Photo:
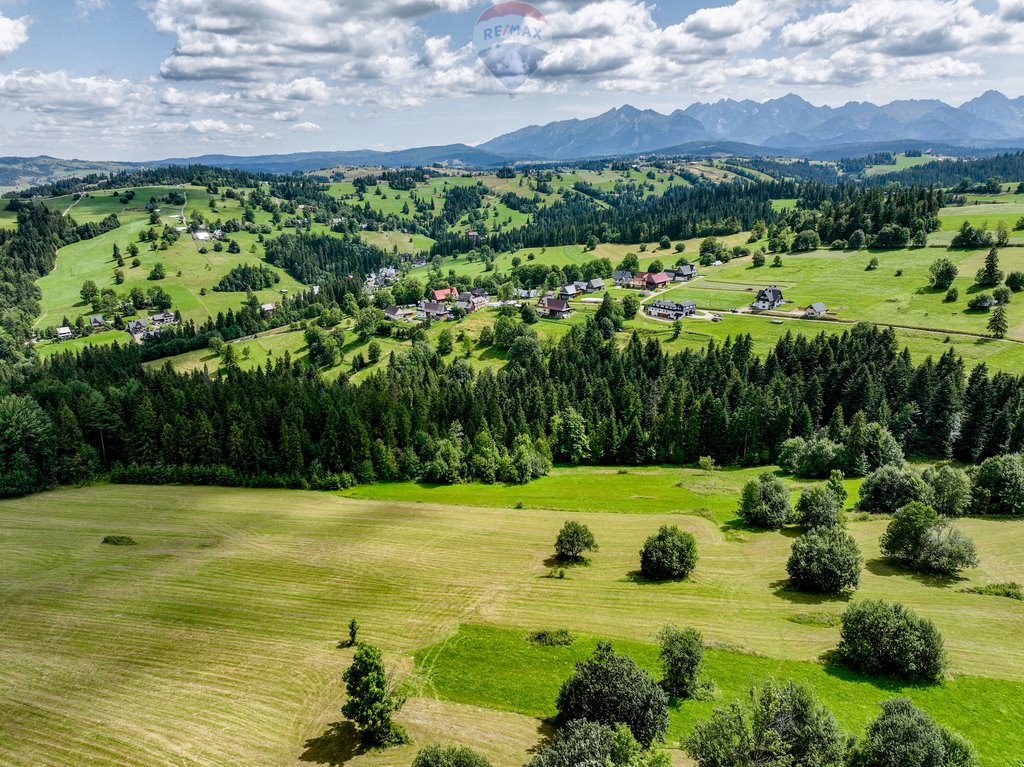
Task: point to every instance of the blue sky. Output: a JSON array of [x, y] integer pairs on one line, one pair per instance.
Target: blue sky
[[131, 79]]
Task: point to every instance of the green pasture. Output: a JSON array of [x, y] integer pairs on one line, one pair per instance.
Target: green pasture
[[214, 640]]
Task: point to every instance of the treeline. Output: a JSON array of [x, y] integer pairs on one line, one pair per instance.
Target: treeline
[[248, 277], [949, 173], [585, 401], [800, 170], [172, 175], [316, 259], [855, 217], [26, 254], [681, 213]]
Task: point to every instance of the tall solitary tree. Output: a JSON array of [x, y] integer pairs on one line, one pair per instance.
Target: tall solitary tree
[[371, 699], [574, 539], [997, 323], [989, 275]]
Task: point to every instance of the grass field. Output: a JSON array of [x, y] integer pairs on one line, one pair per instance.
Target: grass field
[[902, 163], [188, 270], [212, 642], [840, 280]]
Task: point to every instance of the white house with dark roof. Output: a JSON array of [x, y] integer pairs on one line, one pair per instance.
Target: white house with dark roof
[[767, 299], [670, 310]]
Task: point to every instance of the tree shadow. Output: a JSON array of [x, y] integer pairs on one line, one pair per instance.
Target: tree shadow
[[783, 589], [637, 576], [546, 728], [834, 668], [557, 561], [336, 746], [886, 568]]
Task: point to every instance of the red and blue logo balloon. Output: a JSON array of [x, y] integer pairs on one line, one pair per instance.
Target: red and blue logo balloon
[[510, 39]]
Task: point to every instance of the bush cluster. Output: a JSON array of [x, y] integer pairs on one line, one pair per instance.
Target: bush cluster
[[887, 639]]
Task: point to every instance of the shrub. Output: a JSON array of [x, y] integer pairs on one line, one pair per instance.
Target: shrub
[[554, 638], [887, 639], [573, 540], [999, 486], [119, 540], [950, 490], [941, 273], [905, 736], [945, 549], [578, 744], [609, 688], [981, 302], [1011, 590], [890, 488], [682, 652], [818, 507], [435, 756], [952, 296], [825, 561], [670, 554], [903, 535], [820, 458], [774, 725], [765, 502]]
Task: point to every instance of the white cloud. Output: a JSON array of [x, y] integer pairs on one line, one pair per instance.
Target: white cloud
[[62, 92], [306, 127], [85, 7], [13, 34]]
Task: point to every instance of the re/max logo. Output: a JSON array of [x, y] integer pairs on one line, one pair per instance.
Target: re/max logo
[[512, 30]]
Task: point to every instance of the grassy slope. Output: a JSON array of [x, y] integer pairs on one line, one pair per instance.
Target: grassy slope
[[902, 163], [91, 259], [500, 669], [839, 279], [212, 641]]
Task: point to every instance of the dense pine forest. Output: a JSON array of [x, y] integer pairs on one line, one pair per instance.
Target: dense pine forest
[[855, 397]]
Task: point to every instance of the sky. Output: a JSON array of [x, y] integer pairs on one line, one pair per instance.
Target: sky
[[149, 79]]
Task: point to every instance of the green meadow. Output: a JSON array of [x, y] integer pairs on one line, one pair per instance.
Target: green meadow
[[214, 640], [189, 272]]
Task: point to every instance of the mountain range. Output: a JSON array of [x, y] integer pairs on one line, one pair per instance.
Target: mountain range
[[788, 123], [789, 126]]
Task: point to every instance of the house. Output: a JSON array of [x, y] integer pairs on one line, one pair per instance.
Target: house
[[431, 310], [163, 318], [554, 308], [480, 293], [816, 309], [97, 322], [469, 303], [581, 286], [268, 308], [670, 310], [64, 334], [399, 313], [526, 295], [656, 281], [639, 280], [683, 272], [622, 278], [201, 235], [445, 294], [568, 292], [596, 285], [136, 327], [768, 298]]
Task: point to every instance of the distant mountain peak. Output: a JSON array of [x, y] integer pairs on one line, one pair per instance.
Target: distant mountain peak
[[991, 117]]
